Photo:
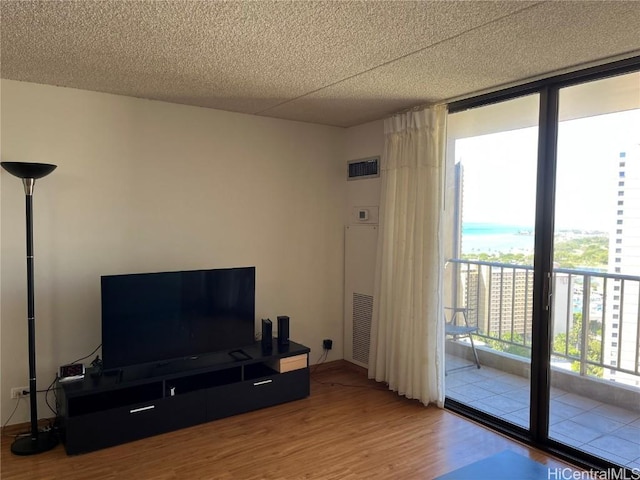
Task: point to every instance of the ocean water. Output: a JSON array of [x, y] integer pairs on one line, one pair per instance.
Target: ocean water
[[494, 238]]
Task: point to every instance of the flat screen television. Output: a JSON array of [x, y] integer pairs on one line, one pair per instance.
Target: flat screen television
[[159, 317]]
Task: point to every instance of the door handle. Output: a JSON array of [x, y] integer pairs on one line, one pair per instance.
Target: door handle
[[142, 409], [263, 382]]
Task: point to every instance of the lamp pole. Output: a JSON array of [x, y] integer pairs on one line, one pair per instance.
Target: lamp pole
[[37, 441]]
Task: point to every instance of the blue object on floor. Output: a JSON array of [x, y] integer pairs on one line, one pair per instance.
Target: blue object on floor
[[505, 465]]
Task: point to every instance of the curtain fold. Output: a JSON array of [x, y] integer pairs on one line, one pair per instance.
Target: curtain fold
[[407, 332]]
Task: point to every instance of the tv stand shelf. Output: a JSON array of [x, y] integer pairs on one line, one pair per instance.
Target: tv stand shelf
[[104, 410]]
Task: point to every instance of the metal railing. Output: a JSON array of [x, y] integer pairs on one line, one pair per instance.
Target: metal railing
[[595, 315]]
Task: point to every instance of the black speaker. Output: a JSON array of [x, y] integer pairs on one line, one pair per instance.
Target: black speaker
[[283, 330], [267, 334]]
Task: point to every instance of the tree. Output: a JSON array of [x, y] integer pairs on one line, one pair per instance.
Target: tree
[[582, 252], [502, 346], [573, 253], [573, 344]]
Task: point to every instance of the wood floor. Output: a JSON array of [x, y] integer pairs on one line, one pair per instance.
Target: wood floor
[[349, 428]]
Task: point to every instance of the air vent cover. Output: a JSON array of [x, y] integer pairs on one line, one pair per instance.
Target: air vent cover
[[364, 168], [362, 313]]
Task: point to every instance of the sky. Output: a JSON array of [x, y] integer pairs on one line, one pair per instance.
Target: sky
[[500, 172]]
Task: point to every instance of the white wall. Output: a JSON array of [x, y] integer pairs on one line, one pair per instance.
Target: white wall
[[147, 186], [363, 141]]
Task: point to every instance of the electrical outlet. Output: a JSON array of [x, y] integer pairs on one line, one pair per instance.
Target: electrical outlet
[[327, 344], [18, 392]]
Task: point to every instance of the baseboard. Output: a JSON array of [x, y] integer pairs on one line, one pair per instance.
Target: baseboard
[[328, 366], [339, 365], [25, 427], [356, 368]]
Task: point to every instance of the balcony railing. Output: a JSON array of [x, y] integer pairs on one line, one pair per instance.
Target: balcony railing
[[595, 315]]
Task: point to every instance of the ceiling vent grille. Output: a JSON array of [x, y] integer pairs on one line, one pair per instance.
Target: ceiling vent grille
[[364, 168]]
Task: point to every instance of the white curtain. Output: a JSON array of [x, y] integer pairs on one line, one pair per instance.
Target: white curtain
[[407, 332]]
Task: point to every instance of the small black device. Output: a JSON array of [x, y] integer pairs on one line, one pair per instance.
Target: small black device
[[71, 371], [239, 355], [283, 330], [267, 334]]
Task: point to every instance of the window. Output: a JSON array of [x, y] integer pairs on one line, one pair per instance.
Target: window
[[597, 208]]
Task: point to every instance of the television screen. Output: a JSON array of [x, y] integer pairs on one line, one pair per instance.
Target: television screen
[[156, 317]]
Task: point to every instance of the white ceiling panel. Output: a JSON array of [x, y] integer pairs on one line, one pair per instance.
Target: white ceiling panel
[[332, 62], [537, 41]]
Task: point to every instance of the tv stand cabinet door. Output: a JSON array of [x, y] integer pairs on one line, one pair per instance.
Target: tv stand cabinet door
[[107, 428], [258, 393]]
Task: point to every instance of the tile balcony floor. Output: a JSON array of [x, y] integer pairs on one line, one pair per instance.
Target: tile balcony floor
[[601, 429]]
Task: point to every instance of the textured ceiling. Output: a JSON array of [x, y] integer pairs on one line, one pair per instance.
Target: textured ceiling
[[331, 62]]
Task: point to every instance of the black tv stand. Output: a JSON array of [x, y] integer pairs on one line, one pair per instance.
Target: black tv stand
[[112, 373], [102, 411], [239, 355]]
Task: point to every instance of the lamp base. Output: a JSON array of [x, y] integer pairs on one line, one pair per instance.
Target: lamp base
[[44, 442]]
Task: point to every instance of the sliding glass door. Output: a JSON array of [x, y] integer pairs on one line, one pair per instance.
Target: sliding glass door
[[490, 267], [595, 382], [542, 279]]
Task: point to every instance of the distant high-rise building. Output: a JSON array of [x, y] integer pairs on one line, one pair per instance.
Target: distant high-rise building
[[500, 300], [621, 319], [564, 289]]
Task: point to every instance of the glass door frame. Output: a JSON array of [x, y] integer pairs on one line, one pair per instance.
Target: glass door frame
[[549, 91]]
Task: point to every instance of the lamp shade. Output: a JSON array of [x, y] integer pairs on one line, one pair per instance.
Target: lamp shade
[[28, 170]]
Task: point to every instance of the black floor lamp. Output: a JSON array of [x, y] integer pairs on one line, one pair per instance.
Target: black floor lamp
[[37, 441]]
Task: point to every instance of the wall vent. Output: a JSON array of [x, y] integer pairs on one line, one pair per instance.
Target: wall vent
[[362, 313], [359, 273], [364, 168]]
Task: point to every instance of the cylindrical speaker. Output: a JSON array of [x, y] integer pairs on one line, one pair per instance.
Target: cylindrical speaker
[[283, 330], [267, 334]]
